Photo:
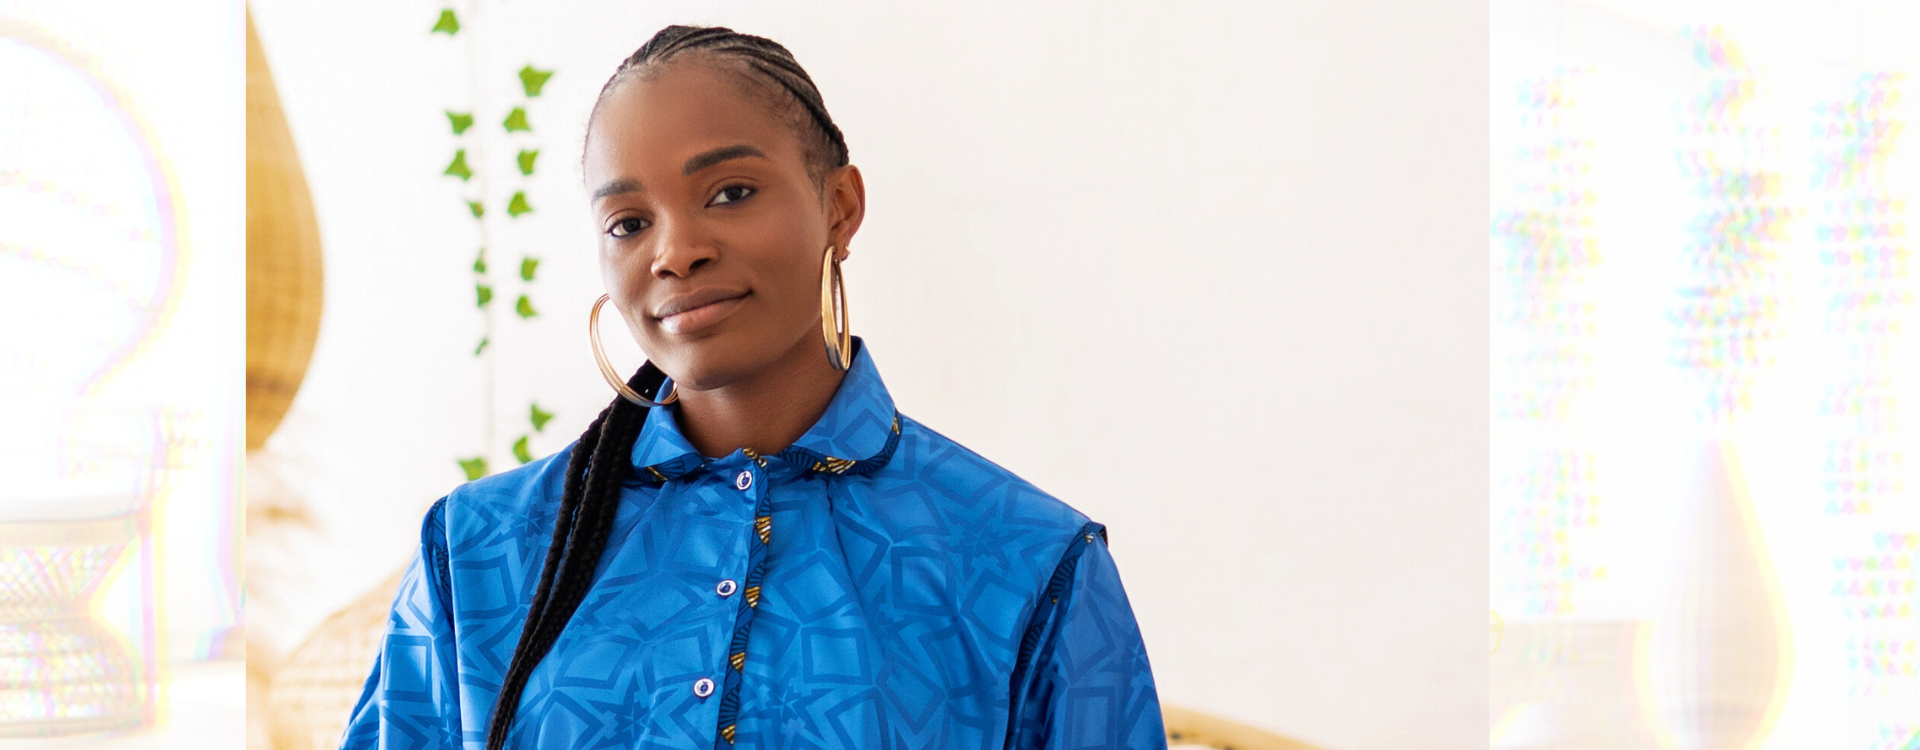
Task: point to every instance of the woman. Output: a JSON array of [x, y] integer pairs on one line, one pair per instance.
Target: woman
[[758, 550]]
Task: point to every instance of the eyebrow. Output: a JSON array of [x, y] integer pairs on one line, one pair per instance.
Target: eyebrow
[[698, 162], [724, 153], [611, 187]]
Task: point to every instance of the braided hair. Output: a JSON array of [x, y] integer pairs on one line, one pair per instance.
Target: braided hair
[[764, 67], [601, 459]]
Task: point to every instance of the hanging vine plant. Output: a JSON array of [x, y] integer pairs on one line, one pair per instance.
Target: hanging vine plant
[[532, 81], [468, 165]]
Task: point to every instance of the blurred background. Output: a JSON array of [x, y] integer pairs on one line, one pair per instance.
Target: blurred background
[[1213, 273], [1287, 295], [1705, 375], [120, 400]]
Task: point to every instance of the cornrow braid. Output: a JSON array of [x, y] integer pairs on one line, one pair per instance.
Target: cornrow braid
[[763, 61], [601, 460], [589, 497]]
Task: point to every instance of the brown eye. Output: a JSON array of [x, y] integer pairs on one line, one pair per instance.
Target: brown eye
[[730, 194], [627, 226]]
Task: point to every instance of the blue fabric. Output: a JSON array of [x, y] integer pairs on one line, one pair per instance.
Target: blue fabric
[[906, 593]]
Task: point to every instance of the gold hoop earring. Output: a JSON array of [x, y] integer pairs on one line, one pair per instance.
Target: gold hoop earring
[[833, 310], [606, 367]]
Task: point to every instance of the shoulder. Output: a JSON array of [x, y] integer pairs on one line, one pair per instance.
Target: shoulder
[[965, 487], [942, 515], [523, 496]]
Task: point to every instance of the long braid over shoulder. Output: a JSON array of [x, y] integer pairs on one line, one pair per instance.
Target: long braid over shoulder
[[601, 459]]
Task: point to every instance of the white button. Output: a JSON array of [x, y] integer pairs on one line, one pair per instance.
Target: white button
[[703, 687], [726, 588], [743, 480]]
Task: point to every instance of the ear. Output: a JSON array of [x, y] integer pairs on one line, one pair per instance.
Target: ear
[[846, 204]]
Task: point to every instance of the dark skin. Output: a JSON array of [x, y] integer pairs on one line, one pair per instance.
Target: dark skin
[[712, 239]]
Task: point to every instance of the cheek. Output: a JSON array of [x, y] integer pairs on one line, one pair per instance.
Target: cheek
[[786, 252], [625, 278], [793, 273], [625, 266]]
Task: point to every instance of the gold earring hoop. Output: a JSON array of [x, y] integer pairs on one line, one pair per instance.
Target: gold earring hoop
[[606, 367], [833, 310]]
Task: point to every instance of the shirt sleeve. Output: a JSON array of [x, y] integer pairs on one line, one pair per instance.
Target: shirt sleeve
[[1082, 679], [411, 700]]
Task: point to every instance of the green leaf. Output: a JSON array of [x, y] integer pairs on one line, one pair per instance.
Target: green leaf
[[447, 24], [460, 121], [524, 307], [540, 418], [518, 205], [484, 292], [481, 348], [520, 450], [526, 268], [517, 120], [480, 261], [526, 160], [532, 80], [475, 467], [477, 209], [459, 166]]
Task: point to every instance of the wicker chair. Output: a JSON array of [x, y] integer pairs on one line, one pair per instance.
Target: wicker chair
[[311, 691], [1187, 728], [284, 286]]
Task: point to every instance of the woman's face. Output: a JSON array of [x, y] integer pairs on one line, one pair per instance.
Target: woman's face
[[712, 231]]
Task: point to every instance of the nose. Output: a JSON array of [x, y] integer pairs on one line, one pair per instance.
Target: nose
[[680, 251]]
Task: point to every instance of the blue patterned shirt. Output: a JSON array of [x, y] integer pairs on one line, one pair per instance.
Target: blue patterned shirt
[[873, 586]]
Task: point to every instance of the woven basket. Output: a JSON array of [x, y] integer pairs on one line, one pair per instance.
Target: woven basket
[[316, 685], [283, 257]]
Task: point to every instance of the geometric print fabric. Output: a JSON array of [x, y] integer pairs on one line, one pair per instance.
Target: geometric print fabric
[[910, 594]]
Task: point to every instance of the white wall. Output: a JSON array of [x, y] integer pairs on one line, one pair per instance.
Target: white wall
[[1214, 273]]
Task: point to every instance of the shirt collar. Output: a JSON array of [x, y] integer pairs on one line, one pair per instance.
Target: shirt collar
[[855, 435]]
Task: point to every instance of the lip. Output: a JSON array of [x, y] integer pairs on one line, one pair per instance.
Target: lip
[[689, 312]]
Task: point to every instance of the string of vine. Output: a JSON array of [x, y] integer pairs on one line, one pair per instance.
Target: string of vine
[[517, 129]]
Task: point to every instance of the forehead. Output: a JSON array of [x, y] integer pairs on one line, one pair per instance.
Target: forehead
[[686, 107]]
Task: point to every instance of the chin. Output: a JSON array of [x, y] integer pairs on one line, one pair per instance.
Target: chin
[[715, 362]]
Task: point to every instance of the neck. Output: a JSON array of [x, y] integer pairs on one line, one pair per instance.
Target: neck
[[766, 411]]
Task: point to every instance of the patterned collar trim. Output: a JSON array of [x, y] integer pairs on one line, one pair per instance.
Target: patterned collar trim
[[857, 434]]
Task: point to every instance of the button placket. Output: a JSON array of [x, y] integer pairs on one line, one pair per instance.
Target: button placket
[[742, 481], [758, 498]]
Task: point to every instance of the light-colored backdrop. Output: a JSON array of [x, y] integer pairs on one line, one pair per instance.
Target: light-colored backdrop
[[1213, 273], [1705, 487], [149, 85]]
